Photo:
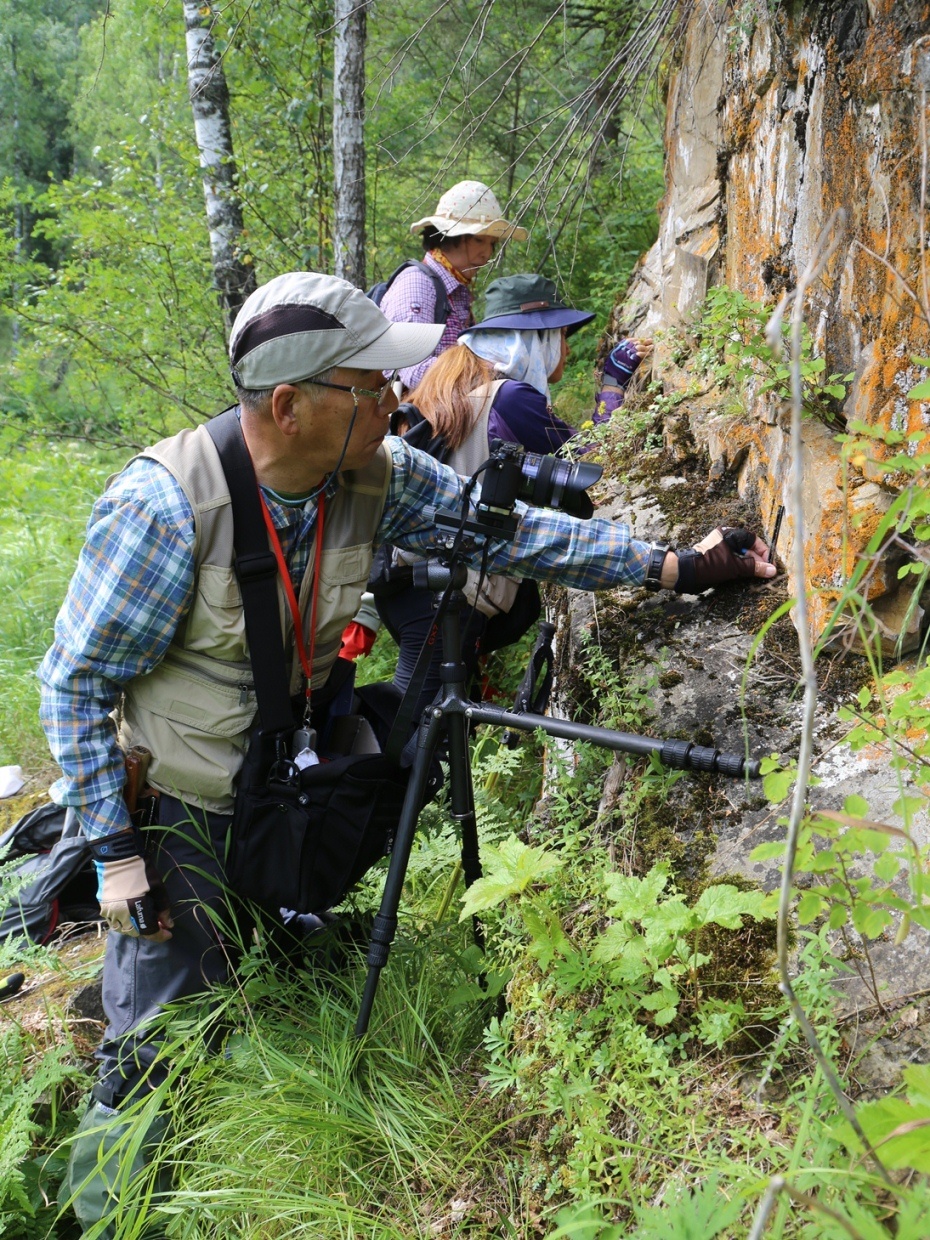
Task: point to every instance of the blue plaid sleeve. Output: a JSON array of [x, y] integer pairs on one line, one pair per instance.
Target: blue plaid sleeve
[[132, 585], [547, 546]]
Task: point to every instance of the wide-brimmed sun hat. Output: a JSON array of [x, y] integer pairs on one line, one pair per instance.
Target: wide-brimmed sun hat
[[303, 323], [470, 209], [528, 301]]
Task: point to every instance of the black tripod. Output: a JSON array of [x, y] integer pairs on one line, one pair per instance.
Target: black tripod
[[452, 716]]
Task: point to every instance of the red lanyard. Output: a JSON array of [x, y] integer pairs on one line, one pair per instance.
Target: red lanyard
[[306, 664]]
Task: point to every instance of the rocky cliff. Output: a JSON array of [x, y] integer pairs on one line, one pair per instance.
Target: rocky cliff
[[779, 116]]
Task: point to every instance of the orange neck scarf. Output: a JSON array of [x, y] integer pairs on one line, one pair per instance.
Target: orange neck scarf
[[441, 259]]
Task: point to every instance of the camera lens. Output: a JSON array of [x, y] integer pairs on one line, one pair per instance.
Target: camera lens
[[549, 482]]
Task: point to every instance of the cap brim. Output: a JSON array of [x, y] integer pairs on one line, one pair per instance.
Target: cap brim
[[538, 320], [500, 230], [403, 344]]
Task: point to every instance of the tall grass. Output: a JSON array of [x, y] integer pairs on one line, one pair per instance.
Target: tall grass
[[46, 493], [290, 1127]]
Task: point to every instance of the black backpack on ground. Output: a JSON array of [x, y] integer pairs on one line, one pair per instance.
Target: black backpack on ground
[[443, 308], [51, 877]]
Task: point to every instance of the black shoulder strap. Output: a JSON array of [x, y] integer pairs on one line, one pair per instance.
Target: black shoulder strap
[[443, 306], [257, 571]]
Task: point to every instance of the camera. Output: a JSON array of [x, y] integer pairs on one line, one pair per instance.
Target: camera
[[543, 481]]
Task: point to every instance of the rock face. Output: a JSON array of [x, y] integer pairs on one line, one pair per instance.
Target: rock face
[[778, 117]]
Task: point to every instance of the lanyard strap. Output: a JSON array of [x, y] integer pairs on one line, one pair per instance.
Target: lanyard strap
[[305, 662]]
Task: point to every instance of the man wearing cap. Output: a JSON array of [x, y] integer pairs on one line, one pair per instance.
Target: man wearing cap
[[150, 646], [458, 240]]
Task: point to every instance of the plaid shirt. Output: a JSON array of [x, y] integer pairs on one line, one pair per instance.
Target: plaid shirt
[[135, 579], [412, 299]]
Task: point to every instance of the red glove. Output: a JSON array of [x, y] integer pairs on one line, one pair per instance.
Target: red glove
[[357, 639]]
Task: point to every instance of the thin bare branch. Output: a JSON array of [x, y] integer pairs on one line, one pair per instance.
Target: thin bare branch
[[826, 245]]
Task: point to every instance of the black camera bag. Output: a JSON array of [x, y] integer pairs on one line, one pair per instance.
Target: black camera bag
[[303, 844], [300, 839]]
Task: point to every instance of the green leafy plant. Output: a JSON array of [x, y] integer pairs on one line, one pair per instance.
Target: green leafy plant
[[733, 349]]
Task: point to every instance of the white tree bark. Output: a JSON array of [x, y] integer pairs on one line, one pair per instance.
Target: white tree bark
[[233, 274], [349, 140]]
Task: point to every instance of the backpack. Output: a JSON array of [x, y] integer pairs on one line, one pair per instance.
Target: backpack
[[419, 432], [443, 308], [54, 879]]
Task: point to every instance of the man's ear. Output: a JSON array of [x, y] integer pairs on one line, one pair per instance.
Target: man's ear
[[282, 408]]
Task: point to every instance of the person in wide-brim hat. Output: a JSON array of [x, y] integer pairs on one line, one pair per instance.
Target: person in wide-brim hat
[[525, 303], [459, 238], [470, 208], [492, 384]]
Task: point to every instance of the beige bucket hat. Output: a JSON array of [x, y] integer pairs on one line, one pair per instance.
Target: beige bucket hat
[[470, 209]]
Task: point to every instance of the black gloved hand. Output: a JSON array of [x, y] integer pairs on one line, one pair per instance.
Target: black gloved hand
[[726, 553]]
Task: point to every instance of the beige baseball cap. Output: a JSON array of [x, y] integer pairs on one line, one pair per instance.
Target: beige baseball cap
[[302, 323], [470, 208]]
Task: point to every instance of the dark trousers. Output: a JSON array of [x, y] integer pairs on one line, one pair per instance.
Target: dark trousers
[[140, 976], [409, 616]]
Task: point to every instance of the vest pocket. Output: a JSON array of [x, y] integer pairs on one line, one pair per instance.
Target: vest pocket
[[196, 723], [215, 622]]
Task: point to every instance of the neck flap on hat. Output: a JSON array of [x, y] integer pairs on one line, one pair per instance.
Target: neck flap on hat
[[524, 356]]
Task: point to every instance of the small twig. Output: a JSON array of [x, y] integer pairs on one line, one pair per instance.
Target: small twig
[[778, 1184]]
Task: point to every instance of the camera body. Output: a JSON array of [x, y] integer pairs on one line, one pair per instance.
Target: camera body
[[512, 474]]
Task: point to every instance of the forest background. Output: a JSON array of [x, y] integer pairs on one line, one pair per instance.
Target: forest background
[[601, 1103]]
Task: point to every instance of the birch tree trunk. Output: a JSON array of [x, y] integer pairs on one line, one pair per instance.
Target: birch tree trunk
[[233, 274], [349, 140]]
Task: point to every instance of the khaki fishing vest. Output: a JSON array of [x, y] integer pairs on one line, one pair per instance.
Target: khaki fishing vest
[[497, 593], [195, 710]]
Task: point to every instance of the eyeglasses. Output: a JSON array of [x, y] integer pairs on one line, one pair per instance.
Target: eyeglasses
[[379, 395]]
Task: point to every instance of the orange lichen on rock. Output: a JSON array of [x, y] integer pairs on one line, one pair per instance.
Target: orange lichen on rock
[[804, 126]]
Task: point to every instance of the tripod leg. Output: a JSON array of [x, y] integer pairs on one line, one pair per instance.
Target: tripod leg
[[385, 926], [462, 798]]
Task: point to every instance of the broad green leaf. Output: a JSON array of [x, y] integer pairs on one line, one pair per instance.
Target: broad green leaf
[[630, 895], [777, 785], [870, 922], [726, 905], [511, 867], [887, 865], [810, 906], [910, 1124], [669, 918], [856, 806], [614, 941], [920, 392], [548, 937], [839, 914], [765, 852], [917, 1079]]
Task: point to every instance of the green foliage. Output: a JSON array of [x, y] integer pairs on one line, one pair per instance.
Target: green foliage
[[32, 1081], [898, 1127], [46, 499], [112, 328], [734, 350], [510, 869]]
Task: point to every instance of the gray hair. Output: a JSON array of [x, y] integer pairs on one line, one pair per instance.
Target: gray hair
[[258, 400]]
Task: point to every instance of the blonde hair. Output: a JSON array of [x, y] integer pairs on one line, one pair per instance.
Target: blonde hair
[[442, 394]]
